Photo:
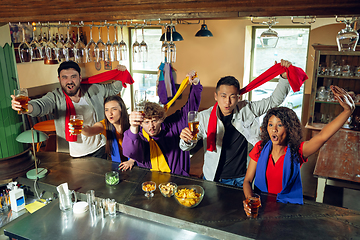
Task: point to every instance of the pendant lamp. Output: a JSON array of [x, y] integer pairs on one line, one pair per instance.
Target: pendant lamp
[[204, 32]]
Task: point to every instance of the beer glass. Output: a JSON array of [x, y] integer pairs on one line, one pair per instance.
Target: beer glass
[[193, 122], [77, 123], [254, 203], [21, 95], [140, 100]]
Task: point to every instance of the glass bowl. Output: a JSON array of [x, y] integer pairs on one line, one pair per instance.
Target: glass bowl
[[148, 187], [112, 178], [167, 189], [189, 196]]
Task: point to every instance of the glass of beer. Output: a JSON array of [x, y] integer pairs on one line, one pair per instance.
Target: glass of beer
[[77, 123], [254, 203], [193, 122], [21, 95], [140, 100]]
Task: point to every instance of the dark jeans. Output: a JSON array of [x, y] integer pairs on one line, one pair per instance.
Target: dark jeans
[[99, 153]]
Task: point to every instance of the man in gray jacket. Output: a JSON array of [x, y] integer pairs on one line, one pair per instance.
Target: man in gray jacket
[[237, 125], [88, 100]]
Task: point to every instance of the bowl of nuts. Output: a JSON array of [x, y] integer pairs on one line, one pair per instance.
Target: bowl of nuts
[[189, 196], [167, 189], [148, 187]]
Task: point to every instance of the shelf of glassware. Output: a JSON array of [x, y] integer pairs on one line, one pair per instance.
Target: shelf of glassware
[[340, 77]]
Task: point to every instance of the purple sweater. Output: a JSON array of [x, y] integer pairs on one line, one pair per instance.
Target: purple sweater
[[135, 146]]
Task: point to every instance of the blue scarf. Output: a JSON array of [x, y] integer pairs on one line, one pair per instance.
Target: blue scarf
[[291, 181], [115, 151]]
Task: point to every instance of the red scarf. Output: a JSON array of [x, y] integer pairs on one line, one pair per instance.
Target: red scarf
[[123, 76], [296, 77]]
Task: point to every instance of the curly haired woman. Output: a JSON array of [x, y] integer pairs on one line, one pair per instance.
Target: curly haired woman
[[276, 159]]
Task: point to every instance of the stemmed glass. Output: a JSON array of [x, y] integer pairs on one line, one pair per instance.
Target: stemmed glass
[[143, 48], [140, 100], [136, 48], [347, 38], [25, 51], [50, 48], [90, 49], [109, 52], [193, 122], [69, 47], [165, 47], [172, 48], [149, 187], [59, 50], [35, 47], [115, 47], [122, 47], [99, 49], [42, 43], [79, 49]]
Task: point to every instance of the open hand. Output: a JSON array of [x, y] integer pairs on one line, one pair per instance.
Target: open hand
[[345, 100]]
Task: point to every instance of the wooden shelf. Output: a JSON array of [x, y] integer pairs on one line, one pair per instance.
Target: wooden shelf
[[327, 102], [339, 77]]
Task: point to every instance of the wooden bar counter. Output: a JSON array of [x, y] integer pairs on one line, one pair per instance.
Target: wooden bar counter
[[220, 215]]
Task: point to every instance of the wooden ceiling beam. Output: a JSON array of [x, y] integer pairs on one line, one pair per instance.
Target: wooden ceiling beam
[[91, 10]]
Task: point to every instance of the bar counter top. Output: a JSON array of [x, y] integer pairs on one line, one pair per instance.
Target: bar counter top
[[220, 215]]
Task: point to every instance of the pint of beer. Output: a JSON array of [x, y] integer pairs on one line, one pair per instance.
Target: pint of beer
[[140, 100], [254, 203], [21, 95], [193, 123], [77, 123]]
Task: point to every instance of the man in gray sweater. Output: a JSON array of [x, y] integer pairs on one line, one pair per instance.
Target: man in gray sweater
[[88, 100]]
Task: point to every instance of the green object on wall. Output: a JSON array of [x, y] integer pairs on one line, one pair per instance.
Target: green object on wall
[[11, 124]]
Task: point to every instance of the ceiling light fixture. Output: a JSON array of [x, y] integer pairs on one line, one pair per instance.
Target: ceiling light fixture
[[204, 32], [268, 38]]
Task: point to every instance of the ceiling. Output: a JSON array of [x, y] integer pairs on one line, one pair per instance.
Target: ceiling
[[111, 10]]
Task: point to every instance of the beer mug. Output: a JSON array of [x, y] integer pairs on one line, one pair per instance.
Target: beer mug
[[65, 201], [21, 95], [77, 123], [193, 122]]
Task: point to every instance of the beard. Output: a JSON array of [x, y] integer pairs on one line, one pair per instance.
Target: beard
[[71, 92]]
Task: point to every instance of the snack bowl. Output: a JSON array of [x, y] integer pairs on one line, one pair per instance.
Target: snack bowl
[[167, 189], [112, 178], [148, 187], [189, 196]]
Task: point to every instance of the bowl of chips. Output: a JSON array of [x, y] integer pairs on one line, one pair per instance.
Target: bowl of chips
[[148, 187], [167, 189], [189, 196]]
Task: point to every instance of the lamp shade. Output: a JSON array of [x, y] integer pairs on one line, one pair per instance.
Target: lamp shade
[[25, 137], [269, 38], [203, 32], [175, 35]]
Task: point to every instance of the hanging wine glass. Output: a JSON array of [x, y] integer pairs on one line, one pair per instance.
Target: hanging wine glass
[[51, 48], [35, 47], [347, 38], [143, 48], [79, 49], [172, 49], [115, 47], [42, 43], [136, 48], [109, 52], [90, 49], [59, 50], [99, 49], [165, 47], [122, 47], [69, 47], [25, 52]]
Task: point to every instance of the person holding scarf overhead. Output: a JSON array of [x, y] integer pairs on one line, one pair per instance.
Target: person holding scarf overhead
[[113, 126], [228, 126], [276, 159], [153, 139], [78, 96]]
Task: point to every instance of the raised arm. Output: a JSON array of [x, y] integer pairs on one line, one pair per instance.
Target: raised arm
[[331, 128], [93, 130]]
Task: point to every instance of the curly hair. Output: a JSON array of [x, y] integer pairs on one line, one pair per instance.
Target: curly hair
[[291, 122], [124, 121], [153, 110]]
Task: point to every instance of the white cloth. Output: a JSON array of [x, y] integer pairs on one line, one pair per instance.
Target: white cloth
[[245, 120], [167, 80], [86, 145]]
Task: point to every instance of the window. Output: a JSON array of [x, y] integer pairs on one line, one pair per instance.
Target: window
[[292, 46], [143, 73]]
